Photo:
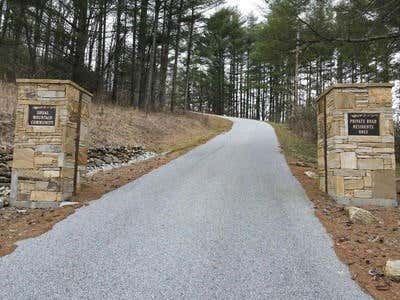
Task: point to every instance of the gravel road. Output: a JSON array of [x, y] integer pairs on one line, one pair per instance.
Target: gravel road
[[225, 221]]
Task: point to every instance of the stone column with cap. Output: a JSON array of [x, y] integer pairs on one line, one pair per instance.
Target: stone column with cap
[[356, 156], [51, 142]]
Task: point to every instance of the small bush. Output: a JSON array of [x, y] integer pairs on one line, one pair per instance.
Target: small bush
[[303, 122]]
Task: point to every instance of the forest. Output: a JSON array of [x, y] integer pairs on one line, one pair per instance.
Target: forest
[[160, 55]]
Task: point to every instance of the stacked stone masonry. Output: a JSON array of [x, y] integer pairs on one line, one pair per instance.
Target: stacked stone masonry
[[360, 169], [44, 153]]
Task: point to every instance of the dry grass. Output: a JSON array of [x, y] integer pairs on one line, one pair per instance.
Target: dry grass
[[125, 126], [294, 145], [116, 125], [8, 94]]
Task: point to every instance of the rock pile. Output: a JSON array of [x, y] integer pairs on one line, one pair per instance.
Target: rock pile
[[7, 125], [107, 158], [4, 196], [5, 176], [5, 168]]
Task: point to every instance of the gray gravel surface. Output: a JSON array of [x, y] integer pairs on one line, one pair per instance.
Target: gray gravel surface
[[225, 221]]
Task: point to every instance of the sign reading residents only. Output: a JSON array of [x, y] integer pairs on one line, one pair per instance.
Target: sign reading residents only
[[364, 124], [42, 115]]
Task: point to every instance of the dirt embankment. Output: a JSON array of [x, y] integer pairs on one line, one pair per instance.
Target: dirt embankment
[[158, 132], [112, 127]]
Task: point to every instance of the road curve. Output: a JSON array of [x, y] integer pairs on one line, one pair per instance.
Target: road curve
[[225, 221]]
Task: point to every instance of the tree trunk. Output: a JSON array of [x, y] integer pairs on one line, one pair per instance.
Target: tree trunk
[[175, 68], [19, 21], [117, 51], [99, 70], [133, 62], [81, 33], [141, 52], [153, 54], [188, 61]]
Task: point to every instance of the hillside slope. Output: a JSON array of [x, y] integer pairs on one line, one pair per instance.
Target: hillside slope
[[113, 130], [116, 126], [159, 132]]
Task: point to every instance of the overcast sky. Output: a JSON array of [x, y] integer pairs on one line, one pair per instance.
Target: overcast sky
[[248, 6]]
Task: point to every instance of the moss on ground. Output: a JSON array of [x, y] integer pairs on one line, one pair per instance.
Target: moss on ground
[[295, 146]]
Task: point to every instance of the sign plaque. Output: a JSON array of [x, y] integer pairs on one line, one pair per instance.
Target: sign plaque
[[42, 115], [366, 124]]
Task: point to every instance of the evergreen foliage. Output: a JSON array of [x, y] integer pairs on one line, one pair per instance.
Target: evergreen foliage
[[168, 54]]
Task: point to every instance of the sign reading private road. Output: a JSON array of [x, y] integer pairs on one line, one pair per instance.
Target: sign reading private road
[[364, 124], [42, 115]]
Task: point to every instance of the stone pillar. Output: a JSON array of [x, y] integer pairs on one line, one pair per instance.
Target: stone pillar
[[356, 157], [52, 121]]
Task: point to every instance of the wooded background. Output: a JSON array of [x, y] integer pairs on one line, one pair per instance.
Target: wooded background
[[190, 54]]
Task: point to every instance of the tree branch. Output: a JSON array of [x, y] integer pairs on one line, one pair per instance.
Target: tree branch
[[366, 39]]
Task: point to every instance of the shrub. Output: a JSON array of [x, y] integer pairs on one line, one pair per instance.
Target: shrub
[[303, 122]]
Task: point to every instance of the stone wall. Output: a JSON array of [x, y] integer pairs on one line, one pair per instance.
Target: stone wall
[[360, 169], [44, 156]]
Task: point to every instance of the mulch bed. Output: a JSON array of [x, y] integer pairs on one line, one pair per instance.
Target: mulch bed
[[364, 248]]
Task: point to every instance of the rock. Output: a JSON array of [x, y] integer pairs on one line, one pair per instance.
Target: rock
[[301, 164], [98, 162], [108, 160], [49, 148], [311, 174], [115, 159], [4, 191], [374, 239], [383, 287], [360, 215], [376, 273], [4, 180], [106, 157], [2, 202], [68, 203], [392, 270]]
